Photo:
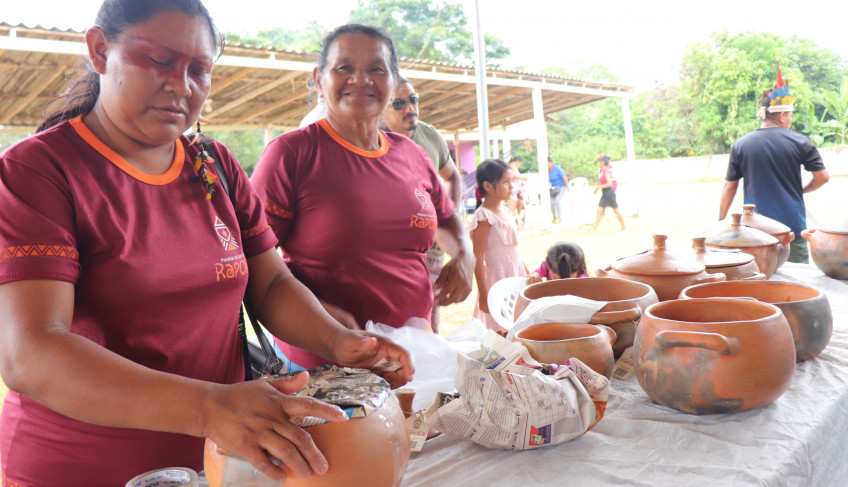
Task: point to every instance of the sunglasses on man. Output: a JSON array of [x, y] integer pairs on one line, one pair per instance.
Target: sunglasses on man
[[400, 103]]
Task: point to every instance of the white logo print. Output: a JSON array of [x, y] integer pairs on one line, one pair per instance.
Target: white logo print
[[424, 199], [227, 238]]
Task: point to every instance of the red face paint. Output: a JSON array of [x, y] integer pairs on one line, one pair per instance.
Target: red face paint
[[163, 62]]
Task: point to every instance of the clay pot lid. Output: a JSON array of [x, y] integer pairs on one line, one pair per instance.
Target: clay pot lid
[[737, 235], [718, 258], [761, 222], [658, 261]]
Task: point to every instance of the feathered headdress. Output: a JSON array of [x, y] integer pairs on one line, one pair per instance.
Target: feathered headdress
[[777, 99]]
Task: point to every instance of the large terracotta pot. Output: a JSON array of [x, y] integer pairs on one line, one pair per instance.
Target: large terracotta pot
[[626, 300], [734, 264], [555, 343], [764, 247], [363, 452], [666, 272], [778, 230], [829, 250], [714, 355], [806, 308]]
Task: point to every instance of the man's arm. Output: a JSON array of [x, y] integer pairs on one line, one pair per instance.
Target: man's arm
[[727, 194], [819, 178], [453, 183]]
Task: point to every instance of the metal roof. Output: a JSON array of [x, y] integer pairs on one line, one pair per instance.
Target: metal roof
[[261, 88]]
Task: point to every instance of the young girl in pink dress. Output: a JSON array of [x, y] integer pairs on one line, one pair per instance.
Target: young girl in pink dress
[[493, 235]]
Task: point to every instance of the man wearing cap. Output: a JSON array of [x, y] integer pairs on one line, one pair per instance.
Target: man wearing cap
[[769, 159], [401, 116]]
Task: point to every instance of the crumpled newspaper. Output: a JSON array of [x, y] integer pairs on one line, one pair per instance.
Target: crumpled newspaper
[[507, 400]]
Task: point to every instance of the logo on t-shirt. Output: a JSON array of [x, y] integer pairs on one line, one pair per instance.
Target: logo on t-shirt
[[227, 238], [424, 199]]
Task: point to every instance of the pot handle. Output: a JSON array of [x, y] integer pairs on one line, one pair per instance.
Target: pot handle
[[715, 277], [808, 234], [697, 339], [610, 332], [633, 314], [603, 272]]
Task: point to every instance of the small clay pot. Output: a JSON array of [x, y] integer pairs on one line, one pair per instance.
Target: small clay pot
[[733, 263], [555, 343], [666, 272], [829, 250], [626, 300], [778, 230], [714, 355], [361, 452], [806, 308], [764, 247]]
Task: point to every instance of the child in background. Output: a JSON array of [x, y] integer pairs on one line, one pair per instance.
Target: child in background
[[493, 235], [565, 259]]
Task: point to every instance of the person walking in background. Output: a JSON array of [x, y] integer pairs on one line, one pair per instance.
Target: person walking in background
[[401, 116], [769, 159], [493, 235], [608, 185], [516, 200], [559, 185], [564, 260]]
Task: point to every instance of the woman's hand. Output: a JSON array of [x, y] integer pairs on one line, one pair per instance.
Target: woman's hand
[[252, 420], [534, 278], [596, 189], [483, 302], [382, 356], [455, 280]]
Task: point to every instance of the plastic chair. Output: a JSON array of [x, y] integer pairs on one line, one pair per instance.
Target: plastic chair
[[502, 297]]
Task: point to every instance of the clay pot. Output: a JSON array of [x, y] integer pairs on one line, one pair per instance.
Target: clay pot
[[666, 272], [806, 308], [714, 355], [555, 343], [734, 264], [829, 250], [364, 452], [764, 247], [778, 230], [626, 300]]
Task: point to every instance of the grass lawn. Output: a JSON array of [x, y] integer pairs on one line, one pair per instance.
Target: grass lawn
[[680, 210]]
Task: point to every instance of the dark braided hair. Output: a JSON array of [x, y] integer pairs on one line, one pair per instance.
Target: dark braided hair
[[489, 171], [566, 258]]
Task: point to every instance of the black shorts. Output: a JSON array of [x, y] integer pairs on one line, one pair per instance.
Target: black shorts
[[608, 198]]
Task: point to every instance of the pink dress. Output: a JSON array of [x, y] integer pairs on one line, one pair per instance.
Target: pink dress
[[503, 259]]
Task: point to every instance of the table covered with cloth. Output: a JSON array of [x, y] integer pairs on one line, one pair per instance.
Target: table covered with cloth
[[797, 440]]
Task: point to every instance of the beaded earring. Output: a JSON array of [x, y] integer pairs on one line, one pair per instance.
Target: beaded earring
[[201, 162]]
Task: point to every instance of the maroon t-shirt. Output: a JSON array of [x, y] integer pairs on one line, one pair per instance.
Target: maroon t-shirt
[[355, 224], [159, 274]]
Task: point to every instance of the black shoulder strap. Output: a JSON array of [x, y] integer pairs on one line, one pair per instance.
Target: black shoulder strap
[[272, 363]]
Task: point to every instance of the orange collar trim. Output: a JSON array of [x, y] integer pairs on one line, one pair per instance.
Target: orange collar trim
[[122, 164], [384, 144]]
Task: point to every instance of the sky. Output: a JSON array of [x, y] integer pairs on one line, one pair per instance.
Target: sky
[[641, 42]]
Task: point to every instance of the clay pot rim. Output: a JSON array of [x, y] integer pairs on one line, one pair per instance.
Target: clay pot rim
[[547, 325], [711, 257], [833, 231], [744, 284], [718, 301], [616, 280]]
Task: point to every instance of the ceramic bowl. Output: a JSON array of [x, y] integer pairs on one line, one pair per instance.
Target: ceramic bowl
[[555, 343]]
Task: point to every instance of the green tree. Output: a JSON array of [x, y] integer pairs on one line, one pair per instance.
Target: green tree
[[424, 29], [307, 40], [832, 126]]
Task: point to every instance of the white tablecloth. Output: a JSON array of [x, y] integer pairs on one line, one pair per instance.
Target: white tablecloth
[[799, 440]]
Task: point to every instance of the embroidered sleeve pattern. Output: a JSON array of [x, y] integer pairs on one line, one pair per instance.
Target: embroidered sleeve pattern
[[277, 211], [39, 251], [254, 231]]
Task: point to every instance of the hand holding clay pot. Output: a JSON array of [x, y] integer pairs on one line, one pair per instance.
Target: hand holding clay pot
[[555, 343]]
